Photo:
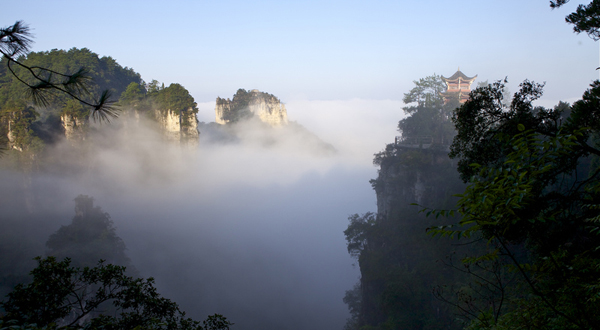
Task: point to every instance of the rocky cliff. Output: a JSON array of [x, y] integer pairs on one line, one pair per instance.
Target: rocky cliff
[[254, 103], [397, 259], [178, 126], [11, 135], [412, 175], [76, 128]]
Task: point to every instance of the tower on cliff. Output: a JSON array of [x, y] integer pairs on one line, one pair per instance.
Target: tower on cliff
[[458, 86]]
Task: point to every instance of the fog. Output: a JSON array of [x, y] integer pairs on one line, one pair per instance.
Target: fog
[[249, 229]]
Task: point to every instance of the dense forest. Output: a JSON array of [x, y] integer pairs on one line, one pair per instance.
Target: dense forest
[[517, 246], [30, 121], [526, 221]]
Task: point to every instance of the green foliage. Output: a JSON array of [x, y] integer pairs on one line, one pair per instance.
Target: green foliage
[[59, 85], [429, 114], [585, 18], [238, 108], [154, 87], [102, 76], [426, 93], [532, 185], [175, 98], [398, 270], [485, 116], [104, 72], [65, 297], [18, 118], [133, 96], [398, 261], [48, 83], [356, 233], [75, 109]]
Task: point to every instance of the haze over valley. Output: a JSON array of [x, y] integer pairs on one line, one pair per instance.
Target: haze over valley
[[323, 165]]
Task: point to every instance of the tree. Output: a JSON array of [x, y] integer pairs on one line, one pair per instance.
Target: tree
[[533, 195], [427, 92], [238, 108], [429, 114], [91, 236], [585, 19], [534, 187], [61, 296], [486, 115], [175, 98], [133, 96], [15, 41], [398, 262], [18, 119]]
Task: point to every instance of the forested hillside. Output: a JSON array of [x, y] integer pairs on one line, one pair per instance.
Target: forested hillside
[[28, 125], [518, 246], [31, 120], [399, 263]]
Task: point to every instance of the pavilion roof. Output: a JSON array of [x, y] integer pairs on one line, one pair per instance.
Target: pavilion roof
[[458, 74]]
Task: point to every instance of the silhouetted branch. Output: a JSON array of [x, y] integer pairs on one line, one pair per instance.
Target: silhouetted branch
[[16, 40]]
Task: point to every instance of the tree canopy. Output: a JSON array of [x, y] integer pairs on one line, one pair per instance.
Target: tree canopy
[[585, 19], [48, 82], [238, 108], [175, 98], [61, 296], [429, 114], [533, 194]]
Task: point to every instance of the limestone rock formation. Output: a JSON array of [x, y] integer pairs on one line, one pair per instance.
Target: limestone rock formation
[[246, 104], [178, 126], [75, 127], [11, 135]]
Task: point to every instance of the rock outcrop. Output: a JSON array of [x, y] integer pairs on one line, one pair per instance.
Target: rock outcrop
[[178, 126], [412, 175], [76, 128], [244, 104], [11, 135], [397, 259]]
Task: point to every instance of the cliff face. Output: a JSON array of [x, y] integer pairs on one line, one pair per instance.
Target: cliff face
[[221, 109], [75, 128], [412, 176], [11, 135], [398, 263], [266, 107], [178, 126]]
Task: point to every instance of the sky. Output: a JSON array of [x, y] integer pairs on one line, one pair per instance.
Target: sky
[[321, 50]]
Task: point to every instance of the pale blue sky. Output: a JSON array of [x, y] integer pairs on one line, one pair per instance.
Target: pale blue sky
[[320, 50]]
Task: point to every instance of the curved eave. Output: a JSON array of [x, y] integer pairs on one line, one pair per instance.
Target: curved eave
[[456, 76]]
